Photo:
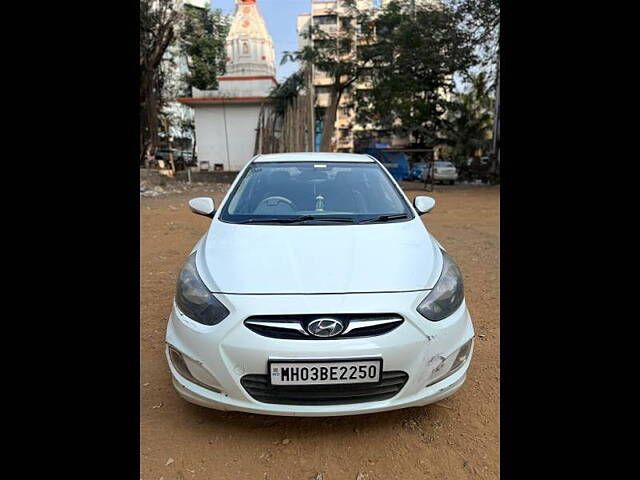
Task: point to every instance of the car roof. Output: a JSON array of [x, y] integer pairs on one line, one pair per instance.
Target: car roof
[[313, 157]]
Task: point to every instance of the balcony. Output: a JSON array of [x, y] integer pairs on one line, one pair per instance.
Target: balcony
[[329, 28], [322, 99]]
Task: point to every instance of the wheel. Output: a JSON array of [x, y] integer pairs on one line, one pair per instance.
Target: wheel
[[452, 182]]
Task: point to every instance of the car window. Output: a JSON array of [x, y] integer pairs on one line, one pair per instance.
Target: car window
[[355, 191]]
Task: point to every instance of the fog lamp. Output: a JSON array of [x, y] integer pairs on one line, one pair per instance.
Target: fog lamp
[[180, 361], [459, 357]]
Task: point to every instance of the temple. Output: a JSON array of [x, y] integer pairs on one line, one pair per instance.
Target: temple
[[226, 119]]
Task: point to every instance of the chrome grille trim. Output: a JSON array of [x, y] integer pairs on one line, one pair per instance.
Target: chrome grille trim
[[284, 325], [295, 326], [358, 324]]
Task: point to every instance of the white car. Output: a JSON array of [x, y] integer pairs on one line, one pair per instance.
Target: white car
[[442, 172], [317, 291]]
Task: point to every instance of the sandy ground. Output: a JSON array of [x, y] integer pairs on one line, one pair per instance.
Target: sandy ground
[[454, 439]]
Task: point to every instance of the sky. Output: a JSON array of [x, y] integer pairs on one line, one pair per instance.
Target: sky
[[281, 18]]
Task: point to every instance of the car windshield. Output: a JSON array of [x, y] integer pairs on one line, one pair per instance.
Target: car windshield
[[313, 192], [443, 164]]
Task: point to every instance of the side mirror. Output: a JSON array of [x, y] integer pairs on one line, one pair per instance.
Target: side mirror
[[202, 206], [424, 204]]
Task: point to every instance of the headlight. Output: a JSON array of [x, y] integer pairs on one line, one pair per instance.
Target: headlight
[[447, 295], [194, 299]]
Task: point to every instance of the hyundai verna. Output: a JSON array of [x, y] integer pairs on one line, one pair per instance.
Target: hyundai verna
[[317, 291]]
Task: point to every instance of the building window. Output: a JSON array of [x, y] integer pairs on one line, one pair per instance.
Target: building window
[[323, 89], [325, 19], [245, 48]]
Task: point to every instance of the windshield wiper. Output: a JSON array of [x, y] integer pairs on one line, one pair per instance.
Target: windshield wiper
[[302, 218], [385, 218], [270, 220], [324, 219]]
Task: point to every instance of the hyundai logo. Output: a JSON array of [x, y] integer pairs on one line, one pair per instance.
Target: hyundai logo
[[325, 327]]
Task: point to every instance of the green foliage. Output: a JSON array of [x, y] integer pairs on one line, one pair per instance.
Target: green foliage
[[202, 42], [469, 120], [413, 60]]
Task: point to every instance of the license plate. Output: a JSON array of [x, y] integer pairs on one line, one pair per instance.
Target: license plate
[[325, 373]]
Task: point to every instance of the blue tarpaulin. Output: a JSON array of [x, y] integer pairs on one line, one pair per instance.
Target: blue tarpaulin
[[396, 162]]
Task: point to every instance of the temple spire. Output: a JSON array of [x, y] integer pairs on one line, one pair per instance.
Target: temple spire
[[249, 45]]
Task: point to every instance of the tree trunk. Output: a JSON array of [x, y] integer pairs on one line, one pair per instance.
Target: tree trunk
[[143, 150], [329, 120], [163, 36], [193, 146], [151, 115]]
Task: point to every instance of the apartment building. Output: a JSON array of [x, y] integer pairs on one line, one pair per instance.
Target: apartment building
[[332, 17]]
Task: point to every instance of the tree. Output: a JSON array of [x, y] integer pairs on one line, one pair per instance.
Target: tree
[[418, 50], [342, 55], [157, 18], [481, 19], [202, 35], [469, 120], [202, 43]]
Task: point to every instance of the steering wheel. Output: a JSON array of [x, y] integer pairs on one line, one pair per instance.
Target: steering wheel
[[275, 201]]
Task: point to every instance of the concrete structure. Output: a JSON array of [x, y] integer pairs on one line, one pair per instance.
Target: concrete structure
[[226, 119]]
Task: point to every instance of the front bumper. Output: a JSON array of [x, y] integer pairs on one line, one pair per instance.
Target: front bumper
[[224, 353]]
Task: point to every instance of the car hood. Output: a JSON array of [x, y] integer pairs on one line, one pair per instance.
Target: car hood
[[295, 259]]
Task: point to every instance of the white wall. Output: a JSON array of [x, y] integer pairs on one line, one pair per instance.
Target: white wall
[[211, 141]]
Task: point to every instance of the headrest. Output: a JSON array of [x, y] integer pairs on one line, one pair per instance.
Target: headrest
[[279, 176]]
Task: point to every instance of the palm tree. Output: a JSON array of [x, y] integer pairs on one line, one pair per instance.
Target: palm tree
[[469, 120]]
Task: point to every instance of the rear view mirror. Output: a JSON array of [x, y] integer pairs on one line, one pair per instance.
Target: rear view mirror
[[424, 204], [202, 206]]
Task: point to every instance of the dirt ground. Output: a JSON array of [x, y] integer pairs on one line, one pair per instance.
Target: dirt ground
[[457, 438]]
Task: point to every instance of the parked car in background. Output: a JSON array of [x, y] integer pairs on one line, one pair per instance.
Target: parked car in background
[[293, 304], [444, 172], [416, 170], [475, 168]]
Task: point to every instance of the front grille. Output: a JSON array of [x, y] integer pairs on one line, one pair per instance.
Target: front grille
[[294, 327], [259, 388]]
